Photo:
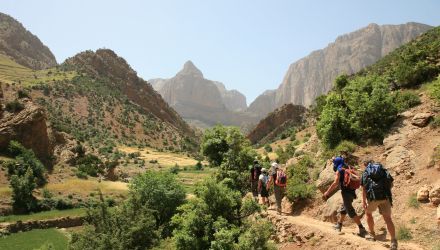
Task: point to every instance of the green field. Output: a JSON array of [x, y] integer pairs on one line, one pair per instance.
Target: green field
[[45, 215], [12, 72], [34, 239]]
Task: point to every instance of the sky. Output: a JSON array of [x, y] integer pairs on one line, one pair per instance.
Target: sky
[[247, 45]]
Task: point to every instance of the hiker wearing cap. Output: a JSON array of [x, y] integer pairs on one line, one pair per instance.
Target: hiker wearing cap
[[376, 184], [279, 180], [262, 187], [343, 180], [254, 175]]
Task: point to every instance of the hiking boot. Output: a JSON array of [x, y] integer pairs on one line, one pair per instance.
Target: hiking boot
[[362, 232], [393, 245], [338, 227], [370, 237]]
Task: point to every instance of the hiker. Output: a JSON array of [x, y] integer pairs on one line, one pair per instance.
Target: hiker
[[344, 175], [255, 174], [262, 187], [279, 179], [376, 184]]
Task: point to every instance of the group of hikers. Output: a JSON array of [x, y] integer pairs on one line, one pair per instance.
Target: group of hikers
[[375, 180]]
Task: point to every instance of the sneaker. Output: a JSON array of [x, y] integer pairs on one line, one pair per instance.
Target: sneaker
[[338, 227], [362, 232], [393, 245]]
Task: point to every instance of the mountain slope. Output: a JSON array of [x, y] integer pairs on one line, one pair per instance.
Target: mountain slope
[[313, 75], [22, 46], [200, 100]]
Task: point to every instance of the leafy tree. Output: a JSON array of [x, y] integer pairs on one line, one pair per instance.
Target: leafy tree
[[340, 82], [160, 192], [405, 100], [299, 185], [214, 144], [22, 188]]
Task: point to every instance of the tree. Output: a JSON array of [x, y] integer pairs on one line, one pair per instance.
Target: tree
[[160, 192], [214, 145], [22, 188]]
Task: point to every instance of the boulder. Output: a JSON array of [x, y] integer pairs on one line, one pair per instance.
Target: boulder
[[29, 128], [326, 177], [421, 119], [399, 157], [434, 195], [423, 194]]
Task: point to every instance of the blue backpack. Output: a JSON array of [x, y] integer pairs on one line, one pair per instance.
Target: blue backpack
[[377, 181]]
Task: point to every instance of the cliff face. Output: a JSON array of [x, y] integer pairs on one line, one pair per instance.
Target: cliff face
[[22, 46], [202, 101], [313, 75], [280, 119]]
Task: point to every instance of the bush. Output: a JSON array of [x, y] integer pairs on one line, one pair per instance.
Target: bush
[[268, 148], [285, 154], [405, 100], [22, 187], [436, 122], [198, 166], [413, 202], [299, 184], [403, 233], [23, 94], [90, 164], [175, 169], [62, 204], [81, 174], [14, 106], [434, 89]]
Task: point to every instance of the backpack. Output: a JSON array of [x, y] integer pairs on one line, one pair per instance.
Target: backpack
[[351, 179], [377, 181], [281, 179]]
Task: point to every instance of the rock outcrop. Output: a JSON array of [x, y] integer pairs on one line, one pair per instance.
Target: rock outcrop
[[276, 122], [29, 128], [22, 46], [313, 75], [198, 99]]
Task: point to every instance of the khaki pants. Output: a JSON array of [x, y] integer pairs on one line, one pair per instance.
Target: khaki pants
[[279, 194]]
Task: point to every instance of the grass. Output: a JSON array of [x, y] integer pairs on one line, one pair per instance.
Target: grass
[[12, 72], [84, 187], [190, 177], [403, 233], [167, 159], [34, 239], [413, 202], [45, 215]]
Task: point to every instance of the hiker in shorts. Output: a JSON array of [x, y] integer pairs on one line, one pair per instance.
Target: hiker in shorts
[[279, 180], [262, 187], [376, 185], [254, 175], [348, 195]]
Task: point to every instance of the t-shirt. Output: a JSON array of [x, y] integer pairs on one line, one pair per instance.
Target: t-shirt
[[255, 172], [341, 181], [264, 179]]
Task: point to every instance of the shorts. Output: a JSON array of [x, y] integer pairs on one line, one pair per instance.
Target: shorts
[[347, 207], [264, 192], [383, 205]]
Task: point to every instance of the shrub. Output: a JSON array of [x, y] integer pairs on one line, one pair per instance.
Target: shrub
[[198, 166], [22, 188], [436, 122], [403, 233], [90, 164], [81, 174], [434, 89], [268, 148], [299, 184], [62, 204], [22, 94], [14, 106], [175, 169], [405, 100], [413, 202]]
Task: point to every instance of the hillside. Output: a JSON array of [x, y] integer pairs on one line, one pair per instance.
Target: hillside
[[313, 75], [203, 102], [22, 46]]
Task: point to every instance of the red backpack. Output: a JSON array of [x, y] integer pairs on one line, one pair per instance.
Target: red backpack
[[281, 180], [351, 178]]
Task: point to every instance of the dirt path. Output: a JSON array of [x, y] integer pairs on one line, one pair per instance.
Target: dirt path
[[332, 238]]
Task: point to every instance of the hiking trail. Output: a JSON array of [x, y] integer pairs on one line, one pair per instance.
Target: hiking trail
[[315, 234]]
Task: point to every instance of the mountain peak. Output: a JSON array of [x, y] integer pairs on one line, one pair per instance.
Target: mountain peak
[[190, 69]]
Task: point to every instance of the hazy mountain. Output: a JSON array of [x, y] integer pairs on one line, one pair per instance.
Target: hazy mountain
[[313, 75], [201, 101], [22, 46]]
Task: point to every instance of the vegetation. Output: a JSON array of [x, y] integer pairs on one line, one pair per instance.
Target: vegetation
[[406, 99], [14, 106], [285, 154], [228, 149], [45, 215], [413, 202], [215, 219], [300, 184], [35, 239], [403, 233]]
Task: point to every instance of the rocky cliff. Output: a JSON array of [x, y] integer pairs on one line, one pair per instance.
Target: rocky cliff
[[202, 101], [277, 121], [313, 75], [22, 46]]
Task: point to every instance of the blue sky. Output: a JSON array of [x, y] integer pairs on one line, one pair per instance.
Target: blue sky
[[246, 44]]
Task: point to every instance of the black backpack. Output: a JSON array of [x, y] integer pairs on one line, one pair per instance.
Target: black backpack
[[378, 182]]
